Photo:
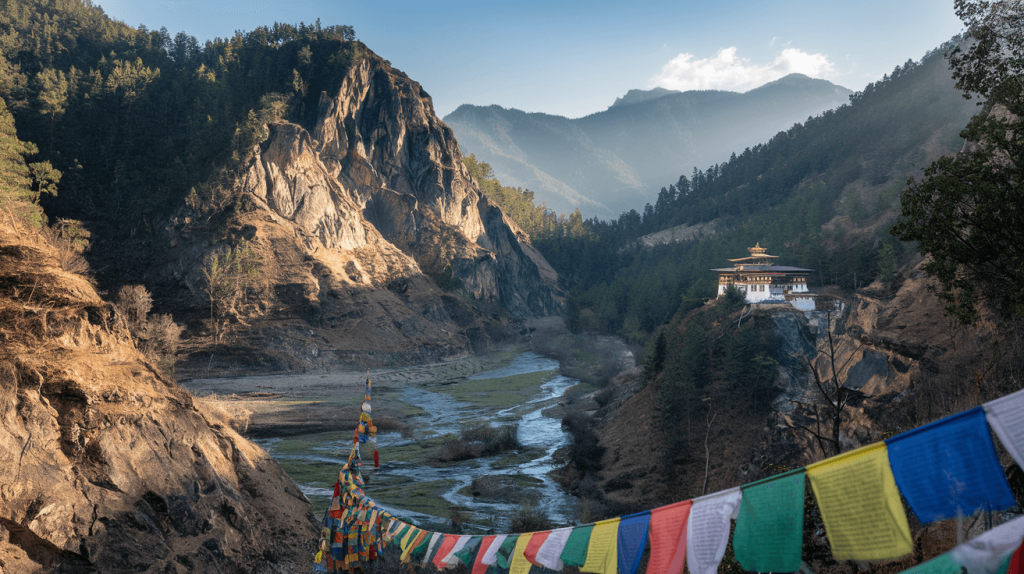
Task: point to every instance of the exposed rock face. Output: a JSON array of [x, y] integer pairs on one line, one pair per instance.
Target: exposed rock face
[[107, 466], [379, 163], [357, 218]]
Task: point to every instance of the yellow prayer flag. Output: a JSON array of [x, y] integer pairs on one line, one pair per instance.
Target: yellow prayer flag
[[408, 536], [519, 564], [420, 535], [603, 549], [860, 505]]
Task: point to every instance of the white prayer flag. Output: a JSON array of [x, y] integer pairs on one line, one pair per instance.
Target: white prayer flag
[[1006, 417], [986, 553], [492, 551], [550, 553], [434, 539], [707, 533], [451, 559]]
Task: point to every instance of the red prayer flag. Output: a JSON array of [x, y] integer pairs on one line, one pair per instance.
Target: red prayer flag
[[1017, 562], [536, 541], [478, 566], [446, 546], [668, 538]]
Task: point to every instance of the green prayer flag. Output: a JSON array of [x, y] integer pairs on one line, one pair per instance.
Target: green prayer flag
[[505, 551], [575, 552], [942, 564], [420, 551], [769, 528], [468, 553]]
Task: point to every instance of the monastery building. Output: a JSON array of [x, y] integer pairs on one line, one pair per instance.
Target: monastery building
[[759, 279]]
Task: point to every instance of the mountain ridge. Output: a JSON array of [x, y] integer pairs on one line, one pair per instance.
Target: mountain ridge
[[613, 160]]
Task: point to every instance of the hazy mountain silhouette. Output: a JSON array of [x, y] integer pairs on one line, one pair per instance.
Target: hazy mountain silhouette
[[616, 160]]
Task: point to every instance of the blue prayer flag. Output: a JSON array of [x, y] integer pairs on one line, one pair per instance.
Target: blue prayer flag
[[632, 540], [949, 466]]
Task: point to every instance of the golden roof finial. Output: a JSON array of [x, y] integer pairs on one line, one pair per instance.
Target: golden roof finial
[[756, 250]]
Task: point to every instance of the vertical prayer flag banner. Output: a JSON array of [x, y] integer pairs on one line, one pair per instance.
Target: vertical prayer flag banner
[[602, 549], [990, 552], [668, 538], [1006, 415], [550, 553], [575, 551], [949, 467], [769, 528], [860, 505], [632, 540], [519, 564], [707, 533]]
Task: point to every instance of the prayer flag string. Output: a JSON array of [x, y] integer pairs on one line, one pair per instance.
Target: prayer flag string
[[943, 469]]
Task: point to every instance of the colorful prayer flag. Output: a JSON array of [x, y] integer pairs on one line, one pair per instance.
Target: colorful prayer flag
[[1006, 415], [536, 541], [769, 527], [603, 548], [668, 538], [479, 564], [990, 551], [550, 553], [575, 551], [860, 505], [707, 533], [446, 547], [941, 564], [632, 538], [463, 551], [519, 564], [1016, 565], [950, 466], [504, 556], [431, 547], [491, 557]]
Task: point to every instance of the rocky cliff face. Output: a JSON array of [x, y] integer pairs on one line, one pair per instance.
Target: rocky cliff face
[[359, 215], [106, 465]]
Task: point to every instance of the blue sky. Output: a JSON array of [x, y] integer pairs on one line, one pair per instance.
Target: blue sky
[[574, 58]]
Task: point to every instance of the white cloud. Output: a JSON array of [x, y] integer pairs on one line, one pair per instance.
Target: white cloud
[[726, 71]]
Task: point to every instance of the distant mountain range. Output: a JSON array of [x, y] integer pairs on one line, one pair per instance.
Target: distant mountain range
[[618, 159]]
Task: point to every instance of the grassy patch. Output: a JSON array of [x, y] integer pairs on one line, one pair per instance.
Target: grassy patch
[[425, 497], [311, 473], [501, 392]]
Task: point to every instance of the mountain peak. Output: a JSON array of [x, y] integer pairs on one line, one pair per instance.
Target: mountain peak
[[637, 96], [796, 80]]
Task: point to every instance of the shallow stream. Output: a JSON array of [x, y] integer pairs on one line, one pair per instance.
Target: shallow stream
[[414, 484]]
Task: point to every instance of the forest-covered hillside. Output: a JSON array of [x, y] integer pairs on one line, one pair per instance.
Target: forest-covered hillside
[[139, 120]]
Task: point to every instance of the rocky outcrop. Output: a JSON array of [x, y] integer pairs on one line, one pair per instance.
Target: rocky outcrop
[[108, 466], [375, 245], [378, 164]]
